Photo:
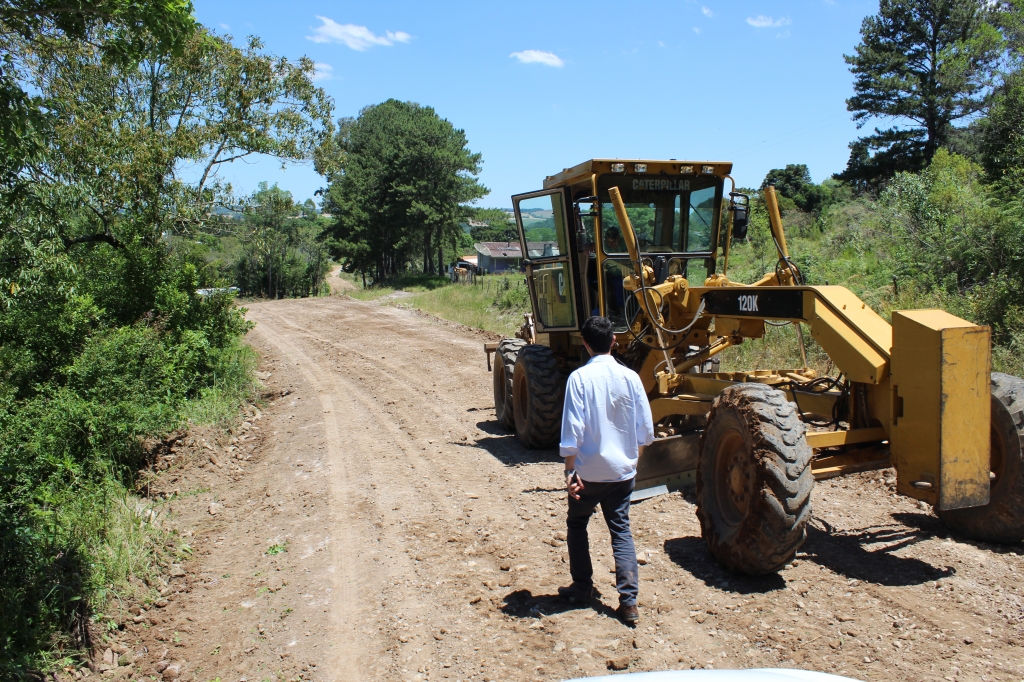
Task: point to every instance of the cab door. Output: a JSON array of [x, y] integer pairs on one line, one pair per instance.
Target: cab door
[[547, 243]]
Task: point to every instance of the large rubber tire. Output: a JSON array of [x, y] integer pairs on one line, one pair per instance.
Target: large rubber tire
[[1002, 519], [754, 479], [538, 392], [504, 364]]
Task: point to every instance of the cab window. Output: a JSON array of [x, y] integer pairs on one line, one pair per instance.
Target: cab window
[[668, 214], [544, 235]]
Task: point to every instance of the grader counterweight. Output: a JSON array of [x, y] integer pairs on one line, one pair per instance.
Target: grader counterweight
[[638, 241]]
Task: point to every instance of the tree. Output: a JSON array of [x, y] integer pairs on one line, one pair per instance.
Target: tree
[[212, 104], [399, 177], [89, 244], [999, 136], [268, 241], [133, 27], [498, 226], [948, 233], [794, 182], [926, 64], [281, 255]]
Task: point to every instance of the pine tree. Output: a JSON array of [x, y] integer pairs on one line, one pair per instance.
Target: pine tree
[[925, 64]]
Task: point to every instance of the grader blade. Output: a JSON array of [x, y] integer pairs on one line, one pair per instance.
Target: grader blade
[[667, 464]]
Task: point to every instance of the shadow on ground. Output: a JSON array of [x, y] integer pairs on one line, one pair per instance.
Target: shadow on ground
[[525, 604], [869, 554], [931, 525], [504, 447], [691, 554]]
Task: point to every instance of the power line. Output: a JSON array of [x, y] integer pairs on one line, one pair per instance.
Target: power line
[[817, 125]]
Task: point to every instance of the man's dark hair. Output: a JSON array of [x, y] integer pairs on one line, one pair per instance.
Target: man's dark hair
[[599, 334]]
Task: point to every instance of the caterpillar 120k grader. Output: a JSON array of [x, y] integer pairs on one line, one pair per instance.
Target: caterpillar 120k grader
[[638, 242]]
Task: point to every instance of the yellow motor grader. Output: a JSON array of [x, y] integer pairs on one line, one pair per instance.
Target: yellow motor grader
[[638, 241]]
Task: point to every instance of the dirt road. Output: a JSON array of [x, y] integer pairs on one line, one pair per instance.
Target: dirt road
[[374, 524]]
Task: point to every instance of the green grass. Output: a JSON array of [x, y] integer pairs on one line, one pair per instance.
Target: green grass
[[848, 252], [407, 283], [495, 303], [233, 385], [277, 548], [87, 544]]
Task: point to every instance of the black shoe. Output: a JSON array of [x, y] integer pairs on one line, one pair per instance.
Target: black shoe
[[576, 595], [630, 615]]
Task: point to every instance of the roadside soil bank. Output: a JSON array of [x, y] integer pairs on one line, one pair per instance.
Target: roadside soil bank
[[380, 526]]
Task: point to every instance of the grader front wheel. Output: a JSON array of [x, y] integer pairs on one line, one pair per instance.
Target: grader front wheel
[[504, 365], [1002, 519], [538, 391], [754, 479]]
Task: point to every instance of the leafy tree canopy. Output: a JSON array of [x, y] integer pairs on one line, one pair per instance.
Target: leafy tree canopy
[[283, 251], [87, 245], [498, 228], [138, 25], [925, 64], [132, 28], [794, 182], [400, 177]]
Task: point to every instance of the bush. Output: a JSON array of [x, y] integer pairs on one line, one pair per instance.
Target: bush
[[80, 392], [513, 295], [949, 234]]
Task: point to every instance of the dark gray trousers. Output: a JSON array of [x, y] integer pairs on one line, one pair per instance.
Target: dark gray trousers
[[614, 501]]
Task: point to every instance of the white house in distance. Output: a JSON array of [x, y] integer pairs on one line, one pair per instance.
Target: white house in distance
[[496, 257]]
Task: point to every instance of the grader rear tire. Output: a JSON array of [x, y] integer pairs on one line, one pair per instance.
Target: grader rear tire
[[504, 364], [754, 479], [538, 391], [1002, 519]]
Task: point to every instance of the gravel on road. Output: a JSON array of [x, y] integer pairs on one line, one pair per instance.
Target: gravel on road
[[373, 522]]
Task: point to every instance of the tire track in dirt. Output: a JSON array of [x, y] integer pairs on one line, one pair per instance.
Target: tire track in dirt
[[436, 551], [401, 483], [466, 470], [343, 597]]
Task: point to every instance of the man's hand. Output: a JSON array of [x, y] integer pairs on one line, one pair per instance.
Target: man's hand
[[573, 484]]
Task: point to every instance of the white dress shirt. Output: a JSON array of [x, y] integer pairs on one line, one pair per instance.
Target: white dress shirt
[[605, 419]]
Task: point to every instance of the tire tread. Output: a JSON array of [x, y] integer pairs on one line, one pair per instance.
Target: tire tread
[[775, 525], [1002, 519], [507, 354], [542, 426]]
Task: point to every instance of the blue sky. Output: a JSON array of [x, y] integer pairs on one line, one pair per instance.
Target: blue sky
[[539, 86]]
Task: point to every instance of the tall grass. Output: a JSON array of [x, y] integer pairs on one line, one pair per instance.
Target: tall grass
[[494, 303]]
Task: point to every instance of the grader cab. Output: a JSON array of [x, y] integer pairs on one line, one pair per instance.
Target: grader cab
[[638, 242]]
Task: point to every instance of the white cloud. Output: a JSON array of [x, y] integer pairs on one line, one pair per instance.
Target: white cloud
[[538, 57], [761, 21], [225, 27], [356, 37], [323, 72], [696, 29], [707, 12]]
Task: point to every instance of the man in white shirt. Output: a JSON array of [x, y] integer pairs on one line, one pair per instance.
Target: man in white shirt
[[606, 423]]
